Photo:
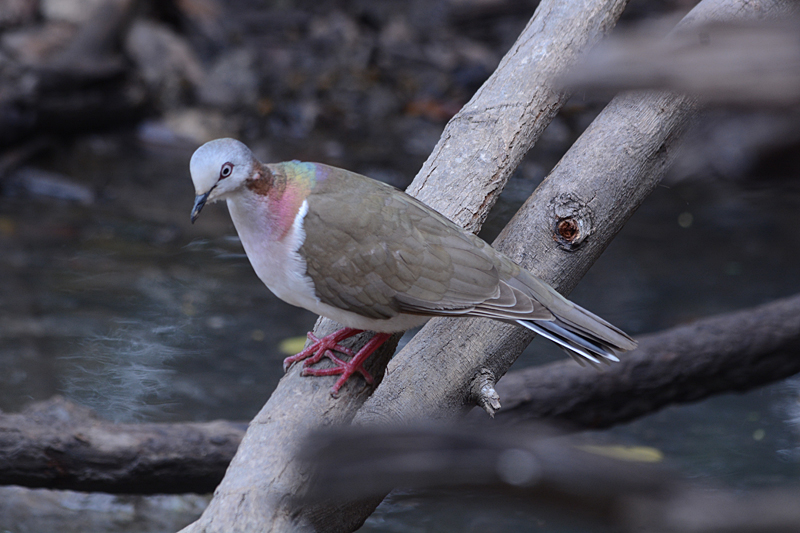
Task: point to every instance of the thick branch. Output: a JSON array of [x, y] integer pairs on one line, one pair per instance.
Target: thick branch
[[60, 445]]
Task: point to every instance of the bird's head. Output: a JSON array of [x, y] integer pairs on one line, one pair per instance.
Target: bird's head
[[218, 168]]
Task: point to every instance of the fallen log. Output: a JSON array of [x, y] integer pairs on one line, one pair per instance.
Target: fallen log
[[60, 445]]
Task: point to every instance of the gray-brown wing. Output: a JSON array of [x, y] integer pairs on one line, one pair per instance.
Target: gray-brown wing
[[377, 252]]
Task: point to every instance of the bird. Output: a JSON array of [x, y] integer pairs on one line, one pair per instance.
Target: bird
[[373, 258]]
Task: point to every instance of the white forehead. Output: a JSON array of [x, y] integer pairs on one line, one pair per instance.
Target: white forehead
[[207, 161]]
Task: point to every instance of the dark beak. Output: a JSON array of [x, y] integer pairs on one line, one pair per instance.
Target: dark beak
[[199, 202]]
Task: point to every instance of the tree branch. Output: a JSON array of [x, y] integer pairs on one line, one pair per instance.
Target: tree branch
[[60, 445]]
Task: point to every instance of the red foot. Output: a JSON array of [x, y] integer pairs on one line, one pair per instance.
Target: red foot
[[325, 346], [322, 347]]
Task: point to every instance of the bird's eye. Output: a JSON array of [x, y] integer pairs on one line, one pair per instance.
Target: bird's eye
[[226, 170]]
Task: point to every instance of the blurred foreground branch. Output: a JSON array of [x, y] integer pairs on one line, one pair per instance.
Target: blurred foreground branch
[[754, 63], [560, 477]]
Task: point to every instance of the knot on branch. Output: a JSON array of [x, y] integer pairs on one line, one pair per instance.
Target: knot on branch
[[572, 220], [483, 392]]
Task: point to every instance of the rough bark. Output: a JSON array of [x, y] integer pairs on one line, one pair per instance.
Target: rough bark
[[465, 175], [60, 445]]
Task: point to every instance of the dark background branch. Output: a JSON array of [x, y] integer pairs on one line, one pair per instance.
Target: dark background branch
[[60, 445]]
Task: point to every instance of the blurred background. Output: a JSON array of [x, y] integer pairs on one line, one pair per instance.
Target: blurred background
[[110, 297]]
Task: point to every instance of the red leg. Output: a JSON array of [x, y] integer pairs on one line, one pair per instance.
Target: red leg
[[324, 348], [348, 368]]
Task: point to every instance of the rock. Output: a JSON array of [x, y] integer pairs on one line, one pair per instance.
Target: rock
[[202, 125], [75, 11], [37, 182], [231, 81], [205, 15], [17, 12], [166, 62], [30, 510], [32, 45]]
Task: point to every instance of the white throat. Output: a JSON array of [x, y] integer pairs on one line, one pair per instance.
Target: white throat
[[277, 263]]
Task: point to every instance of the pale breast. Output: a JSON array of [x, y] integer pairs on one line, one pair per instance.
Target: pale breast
[[275, 261], [278, 264]]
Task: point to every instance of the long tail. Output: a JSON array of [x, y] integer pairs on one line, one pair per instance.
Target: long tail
[[585, 336], [581, 348]]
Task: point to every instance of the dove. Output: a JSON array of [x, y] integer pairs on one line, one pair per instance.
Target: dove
[[373, 258]]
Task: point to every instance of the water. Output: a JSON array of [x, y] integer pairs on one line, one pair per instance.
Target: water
[[124, 306], [121, 307]]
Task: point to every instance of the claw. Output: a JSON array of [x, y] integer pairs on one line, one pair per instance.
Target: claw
[[325, 347]]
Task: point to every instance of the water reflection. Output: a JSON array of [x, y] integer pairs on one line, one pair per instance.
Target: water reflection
[[127, 374]]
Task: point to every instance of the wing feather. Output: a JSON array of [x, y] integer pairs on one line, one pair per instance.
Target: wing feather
[[407, 259], [378, 252]]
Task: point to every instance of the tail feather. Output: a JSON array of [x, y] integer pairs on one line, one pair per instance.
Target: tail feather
[[584, 335], [582, 345]]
